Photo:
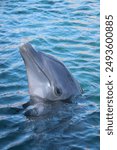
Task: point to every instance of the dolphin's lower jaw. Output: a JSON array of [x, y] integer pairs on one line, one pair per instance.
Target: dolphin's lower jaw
[[48, 78]]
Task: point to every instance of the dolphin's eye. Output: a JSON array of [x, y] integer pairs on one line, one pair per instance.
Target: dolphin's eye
[[58, 91]]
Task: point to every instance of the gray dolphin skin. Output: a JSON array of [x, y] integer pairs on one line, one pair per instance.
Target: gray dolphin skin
[[48, 78]]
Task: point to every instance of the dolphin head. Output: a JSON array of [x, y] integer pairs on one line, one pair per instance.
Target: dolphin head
[[48, 78]]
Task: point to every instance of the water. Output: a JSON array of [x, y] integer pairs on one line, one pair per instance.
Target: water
[[69, 30]]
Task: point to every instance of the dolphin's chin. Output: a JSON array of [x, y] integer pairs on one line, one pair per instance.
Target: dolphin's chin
[[33, 62], [39, 83], [30, 57]]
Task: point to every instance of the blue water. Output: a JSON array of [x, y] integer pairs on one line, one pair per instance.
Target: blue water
[[68, 30]]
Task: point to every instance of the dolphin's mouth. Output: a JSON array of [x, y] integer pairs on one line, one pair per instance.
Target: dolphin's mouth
[[33, 60], [28, 53]]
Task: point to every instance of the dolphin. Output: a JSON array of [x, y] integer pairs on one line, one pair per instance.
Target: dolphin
[[48, 78]]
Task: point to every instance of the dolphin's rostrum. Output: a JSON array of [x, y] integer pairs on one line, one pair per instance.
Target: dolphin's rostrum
[[48, 78]]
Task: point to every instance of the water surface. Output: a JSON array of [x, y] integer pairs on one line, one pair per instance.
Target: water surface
[[68, 30]]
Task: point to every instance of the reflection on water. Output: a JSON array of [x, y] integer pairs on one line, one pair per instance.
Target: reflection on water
[[69, 30]]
